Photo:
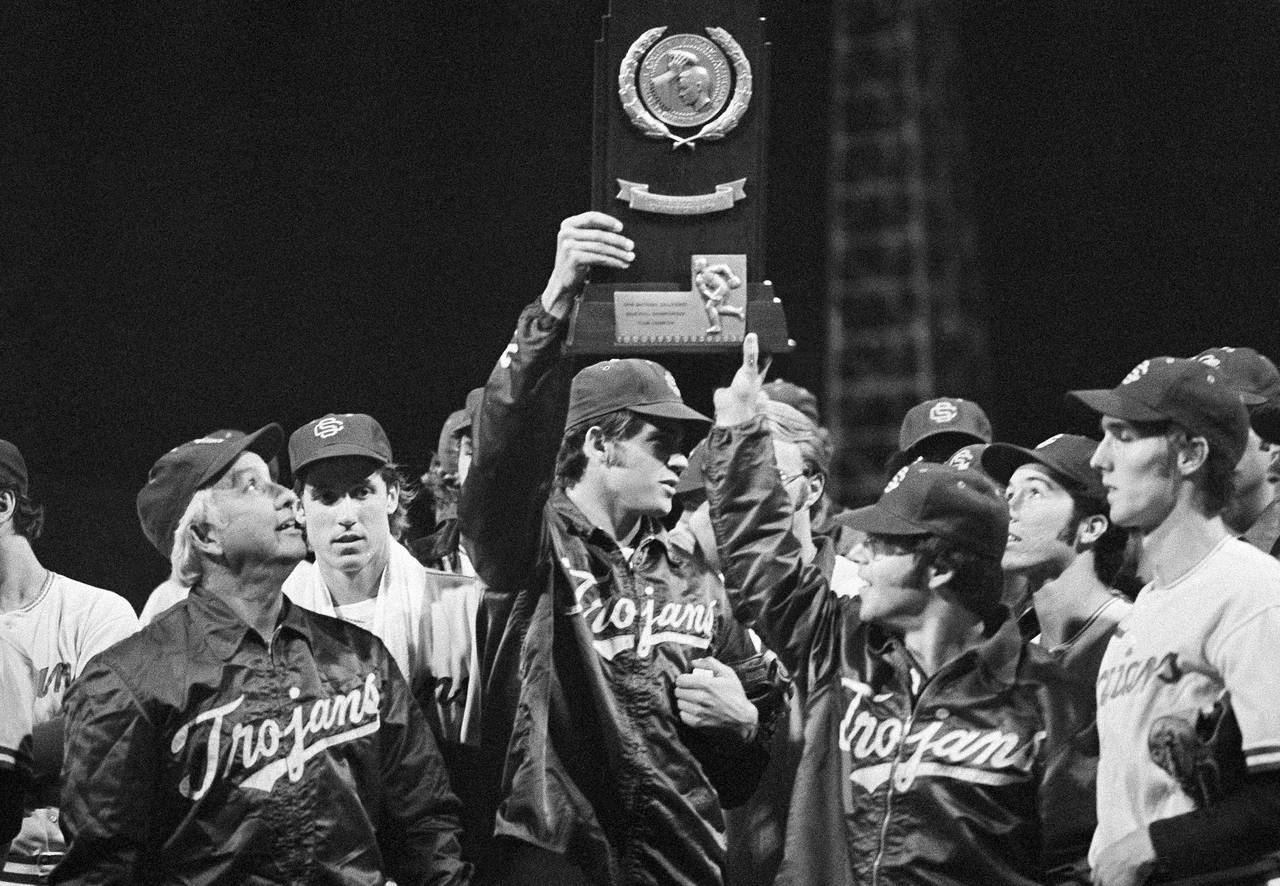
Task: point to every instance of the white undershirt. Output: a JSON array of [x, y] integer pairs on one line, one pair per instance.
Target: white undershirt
[[359, 613]]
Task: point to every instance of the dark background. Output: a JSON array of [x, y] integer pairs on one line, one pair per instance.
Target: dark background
[[224, 214]]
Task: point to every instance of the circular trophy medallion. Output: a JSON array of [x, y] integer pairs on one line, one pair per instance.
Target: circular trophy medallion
[[684, 80]]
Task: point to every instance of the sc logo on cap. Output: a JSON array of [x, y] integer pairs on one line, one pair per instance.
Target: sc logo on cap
[[943, 412], [327, 427], [1136, 373]]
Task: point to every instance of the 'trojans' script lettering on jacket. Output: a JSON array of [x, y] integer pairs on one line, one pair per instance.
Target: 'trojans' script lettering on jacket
[[980, 756], [355, 714]]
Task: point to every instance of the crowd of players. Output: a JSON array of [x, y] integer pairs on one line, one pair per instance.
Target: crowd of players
[[622, 658]]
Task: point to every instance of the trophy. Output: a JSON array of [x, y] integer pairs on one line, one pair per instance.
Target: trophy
[[680, 130]]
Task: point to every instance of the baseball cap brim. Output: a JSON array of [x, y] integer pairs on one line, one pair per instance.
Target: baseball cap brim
[[267, 442], [876, 520], [1000, 460], [340, 449], [670, 409], [963, 438], [1108, 402]]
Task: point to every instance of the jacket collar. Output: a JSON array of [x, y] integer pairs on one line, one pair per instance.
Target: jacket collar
[[997, 655], [225, 631], [577, 523], [825, 558]]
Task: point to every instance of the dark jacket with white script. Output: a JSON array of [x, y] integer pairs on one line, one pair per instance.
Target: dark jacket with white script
[[580, 648], [200, 752], [969, 776]]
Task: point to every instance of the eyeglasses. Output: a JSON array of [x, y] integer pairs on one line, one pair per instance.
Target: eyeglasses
[[879, 546], [786, 479]]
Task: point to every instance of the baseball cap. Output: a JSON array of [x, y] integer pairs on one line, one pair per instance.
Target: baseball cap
[[1257, 381], [967, 457], [12, 466], [638, 385], [347, 433], [1253, 376], [943, 415], [925, 498], [1066, 455], [1188, 392], [177, 474]]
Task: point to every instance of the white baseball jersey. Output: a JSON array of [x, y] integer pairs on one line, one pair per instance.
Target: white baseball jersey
[[426, 619], [68, 624], [168, 593], [16, 704], [1215, 630]]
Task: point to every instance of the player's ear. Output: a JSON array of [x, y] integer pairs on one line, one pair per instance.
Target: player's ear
[[814, 486], [205, 538], [595, 447], [1192, 455], [393, 498], [1091, 528], [8, 505]]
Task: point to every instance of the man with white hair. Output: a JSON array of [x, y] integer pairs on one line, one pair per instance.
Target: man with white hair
[[239, 737]]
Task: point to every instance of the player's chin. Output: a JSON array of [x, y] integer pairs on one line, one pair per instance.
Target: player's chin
[[660, 507]]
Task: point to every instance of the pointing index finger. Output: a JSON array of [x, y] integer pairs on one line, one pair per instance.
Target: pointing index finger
[[751, 352]]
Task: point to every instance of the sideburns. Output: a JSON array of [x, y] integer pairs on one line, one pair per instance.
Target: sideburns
[[1168, 466]]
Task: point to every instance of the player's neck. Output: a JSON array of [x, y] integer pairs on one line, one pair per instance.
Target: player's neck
[[943, 634], [22, 578], [1179, 543], [353, 587], [254, 594], [1245, 506], [1065, 603], [602, 511]]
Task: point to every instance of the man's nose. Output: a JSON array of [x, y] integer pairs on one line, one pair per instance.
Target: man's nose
[[286, 497], [860, 553], [678, 462], [1096, 460], [346, 511]]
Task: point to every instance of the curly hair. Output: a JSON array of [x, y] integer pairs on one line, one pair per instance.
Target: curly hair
[[28, 517]]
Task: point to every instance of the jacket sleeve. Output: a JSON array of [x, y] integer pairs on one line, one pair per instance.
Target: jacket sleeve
[[1066, 798], [516, 436], [419, 837], [789, 603], [109, 788]]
